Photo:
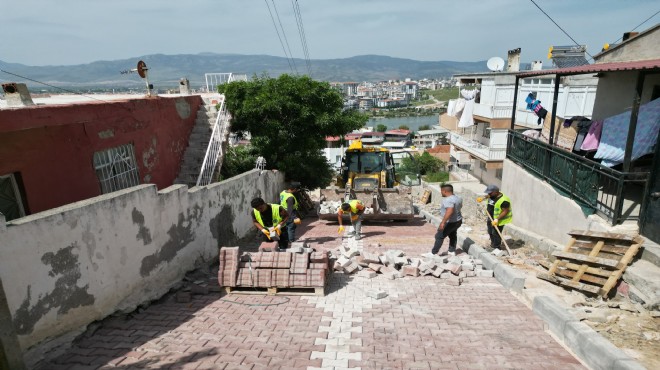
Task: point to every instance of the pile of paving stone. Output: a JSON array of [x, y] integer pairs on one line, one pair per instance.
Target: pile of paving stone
[[298, 267], [395, 264]]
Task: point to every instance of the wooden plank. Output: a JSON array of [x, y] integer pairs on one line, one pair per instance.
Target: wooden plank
[[601, 254], [585, 277], [568, 246], [305, 291], [609, 248], [594, 260], [578, 286], [594, 253], [573, 266], [614, 278], [601, 235]]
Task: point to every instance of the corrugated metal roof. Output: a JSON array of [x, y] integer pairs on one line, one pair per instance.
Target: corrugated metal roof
[[594, 68]]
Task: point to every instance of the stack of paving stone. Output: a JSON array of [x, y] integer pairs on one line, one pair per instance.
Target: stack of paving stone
[[272, 269], [394, 264]]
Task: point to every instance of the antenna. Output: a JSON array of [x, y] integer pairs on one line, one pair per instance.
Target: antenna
[[495, 64], [142, 71]]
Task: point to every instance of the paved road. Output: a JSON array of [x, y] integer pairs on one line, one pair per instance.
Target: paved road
[[422, 324]]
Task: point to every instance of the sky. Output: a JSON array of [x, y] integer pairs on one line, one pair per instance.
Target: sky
[[68, 32]]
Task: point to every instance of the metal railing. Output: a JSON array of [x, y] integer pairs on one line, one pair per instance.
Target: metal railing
[[215, 79], [480, 150], [616, 196], [214, 150]]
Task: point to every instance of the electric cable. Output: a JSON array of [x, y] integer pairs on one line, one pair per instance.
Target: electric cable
[[647, 19], [286, 40], [278, 35], [562, 30], [301, 32]]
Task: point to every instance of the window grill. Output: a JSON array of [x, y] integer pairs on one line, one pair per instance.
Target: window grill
[[116, 168]]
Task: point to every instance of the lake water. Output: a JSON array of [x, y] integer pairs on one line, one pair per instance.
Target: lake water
[[412, 122]]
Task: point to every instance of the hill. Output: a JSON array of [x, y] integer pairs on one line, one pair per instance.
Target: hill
[[166, 70]]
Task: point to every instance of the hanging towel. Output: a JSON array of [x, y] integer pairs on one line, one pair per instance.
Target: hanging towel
[[466, 119], [615, 132], [592, 139]]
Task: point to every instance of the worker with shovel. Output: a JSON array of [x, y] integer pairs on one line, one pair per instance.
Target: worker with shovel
[[499, 213]]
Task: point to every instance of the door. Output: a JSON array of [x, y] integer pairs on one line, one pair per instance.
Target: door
[[651, 213], [11, 205]]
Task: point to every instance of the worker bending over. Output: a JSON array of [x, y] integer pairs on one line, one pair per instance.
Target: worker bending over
[[356, 209], [270, 217]]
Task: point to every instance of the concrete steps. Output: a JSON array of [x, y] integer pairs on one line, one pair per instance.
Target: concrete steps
[[198, 142]]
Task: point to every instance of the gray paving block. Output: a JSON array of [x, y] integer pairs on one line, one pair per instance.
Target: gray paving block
[[553, 313], [592, 348], [489, 261], [629, 364], [509, 278]]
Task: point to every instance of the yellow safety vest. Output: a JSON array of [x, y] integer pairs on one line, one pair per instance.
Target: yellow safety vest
[[284, 195], [353, 204], [498, 209], [276, 215]]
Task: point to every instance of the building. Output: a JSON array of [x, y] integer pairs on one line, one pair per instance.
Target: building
[[430, 138], [617, 188], [483, 144]]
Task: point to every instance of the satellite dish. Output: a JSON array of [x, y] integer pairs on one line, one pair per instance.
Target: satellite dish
[[495, 64], [142, 69]]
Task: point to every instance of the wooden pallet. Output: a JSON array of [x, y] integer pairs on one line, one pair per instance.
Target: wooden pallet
[[315, 291], [426, 198], [592, 261]]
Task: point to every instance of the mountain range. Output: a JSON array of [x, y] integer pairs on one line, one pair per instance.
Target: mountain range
[[165, 71]]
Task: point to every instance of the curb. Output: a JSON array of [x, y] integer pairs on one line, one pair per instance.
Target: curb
[[589, 346]]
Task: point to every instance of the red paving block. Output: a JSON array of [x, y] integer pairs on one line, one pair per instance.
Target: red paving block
[[299, 263]]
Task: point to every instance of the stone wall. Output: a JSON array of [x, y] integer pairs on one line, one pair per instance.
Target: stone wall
[[69, 266]]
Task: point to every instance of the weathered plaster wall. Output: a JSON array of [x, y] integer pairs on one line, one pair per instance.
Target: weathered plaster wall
[[67, 267], [52, 146], [539, 208]]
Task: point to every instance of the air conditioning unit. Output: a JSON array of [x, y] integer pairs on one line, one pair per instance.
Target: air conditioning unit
[[17, 95]]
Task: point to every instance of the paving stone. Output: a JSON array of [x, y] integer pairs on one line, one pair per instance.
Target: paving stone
[[485, 273], [375, 266], [376, 294], [183, 297]]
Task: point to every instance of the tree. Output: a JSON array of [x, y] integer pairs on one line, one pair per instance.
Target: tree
[[289, 118], [381, 128], [424, 127], [237, 160], [404, 127], [430, 167]]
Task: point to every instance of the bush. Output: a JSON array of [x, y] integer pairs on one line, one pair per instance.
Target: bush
[[436, 177]]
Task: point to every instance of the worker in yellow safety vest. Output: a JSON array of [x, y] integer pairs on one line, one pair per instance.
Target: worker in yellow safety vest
[[269, 219], [289, 202], [500, 210], [356, 209]]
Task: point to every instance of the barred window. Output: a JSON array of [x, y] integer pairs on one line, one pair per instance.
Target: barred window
[[116, 168]]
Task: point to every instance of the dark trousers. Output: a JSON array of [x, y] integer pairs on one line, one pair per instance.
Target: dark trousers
[[495, 239], [290, 230], [449, 231]]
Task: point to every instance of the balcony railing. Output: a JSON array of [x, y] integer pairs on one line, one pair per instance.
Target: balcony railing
[[477, 149], [616, 196]]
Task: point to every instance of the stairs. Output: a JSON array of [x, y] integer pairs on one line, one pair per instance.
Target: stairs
[[198, 142]]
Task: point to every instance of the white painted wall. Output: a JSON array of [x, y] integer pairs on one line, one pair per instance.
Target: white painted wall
[[539, 208], [67, 267], [616, 92]]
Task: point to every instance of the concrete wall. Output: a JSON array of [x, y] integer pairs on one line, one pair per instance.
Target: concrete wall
[[616, 91], [67, 267], [52, 146], [539, 208], [641, 47]]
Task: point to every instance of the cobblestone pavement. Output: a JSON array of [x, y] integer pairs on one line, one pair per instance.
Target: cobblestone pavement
[[422, 324]]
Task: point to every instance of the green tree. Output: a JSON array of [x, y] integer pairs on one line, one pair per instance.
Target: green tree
[[288, 118], [237, 160], [425, 163], [381, 128], [424, 127], [404, 127]]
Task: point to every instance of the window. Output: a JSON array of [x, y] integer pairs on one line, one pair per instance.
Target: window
[[116, 168], [482, 165], [486, 131], [11, 203], [498, 173]]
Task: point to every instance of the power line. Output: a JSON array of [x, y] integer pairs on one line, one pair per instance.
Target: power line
[[558, 26], [278, 36], [284, 34], [301, 32], [647, 19]]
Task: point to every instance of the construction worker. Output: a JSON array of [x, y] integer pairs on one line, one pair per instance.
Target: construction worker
[[268, 218], [289, 202], [356, 209], [452, 219], [499, 209]]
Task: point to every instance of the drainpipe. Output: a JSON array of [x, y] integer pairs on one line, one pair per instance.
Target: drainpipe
[[553, 116], [633, 121], [515, 100]]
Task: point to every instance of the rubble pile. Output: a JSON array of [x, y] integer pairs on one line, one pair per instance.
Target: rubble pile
[[393, 264], [332, 207], [292, 269]]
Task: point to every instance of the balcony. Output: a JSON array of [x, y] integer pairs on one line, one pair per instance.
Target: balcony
[[492, 111], [477, 149], [615, 196]]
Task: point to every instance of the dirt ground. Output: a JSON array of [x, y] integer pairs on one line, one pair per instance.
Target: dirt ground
[[626, 324]]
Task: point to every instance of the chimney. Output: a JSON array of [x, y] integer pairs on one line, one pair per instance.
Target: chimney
[[629, 35], [537, 65], [514, 60], [184, 86], [17, 95]]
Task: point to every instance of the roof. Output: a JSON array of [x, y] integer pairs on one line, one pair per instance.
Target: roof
[[397, 132], [439, 149], [332, 138], [372, 134], [432, 132], [353, 136], [393, 144], [640, 65]]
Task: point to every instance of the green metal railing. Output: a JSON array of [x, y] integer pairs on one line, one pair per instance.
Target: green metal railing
[[616, 196]]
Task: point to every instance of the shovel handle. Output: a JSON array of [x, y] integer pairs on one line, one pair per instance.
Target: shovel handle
[[500, 233]]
